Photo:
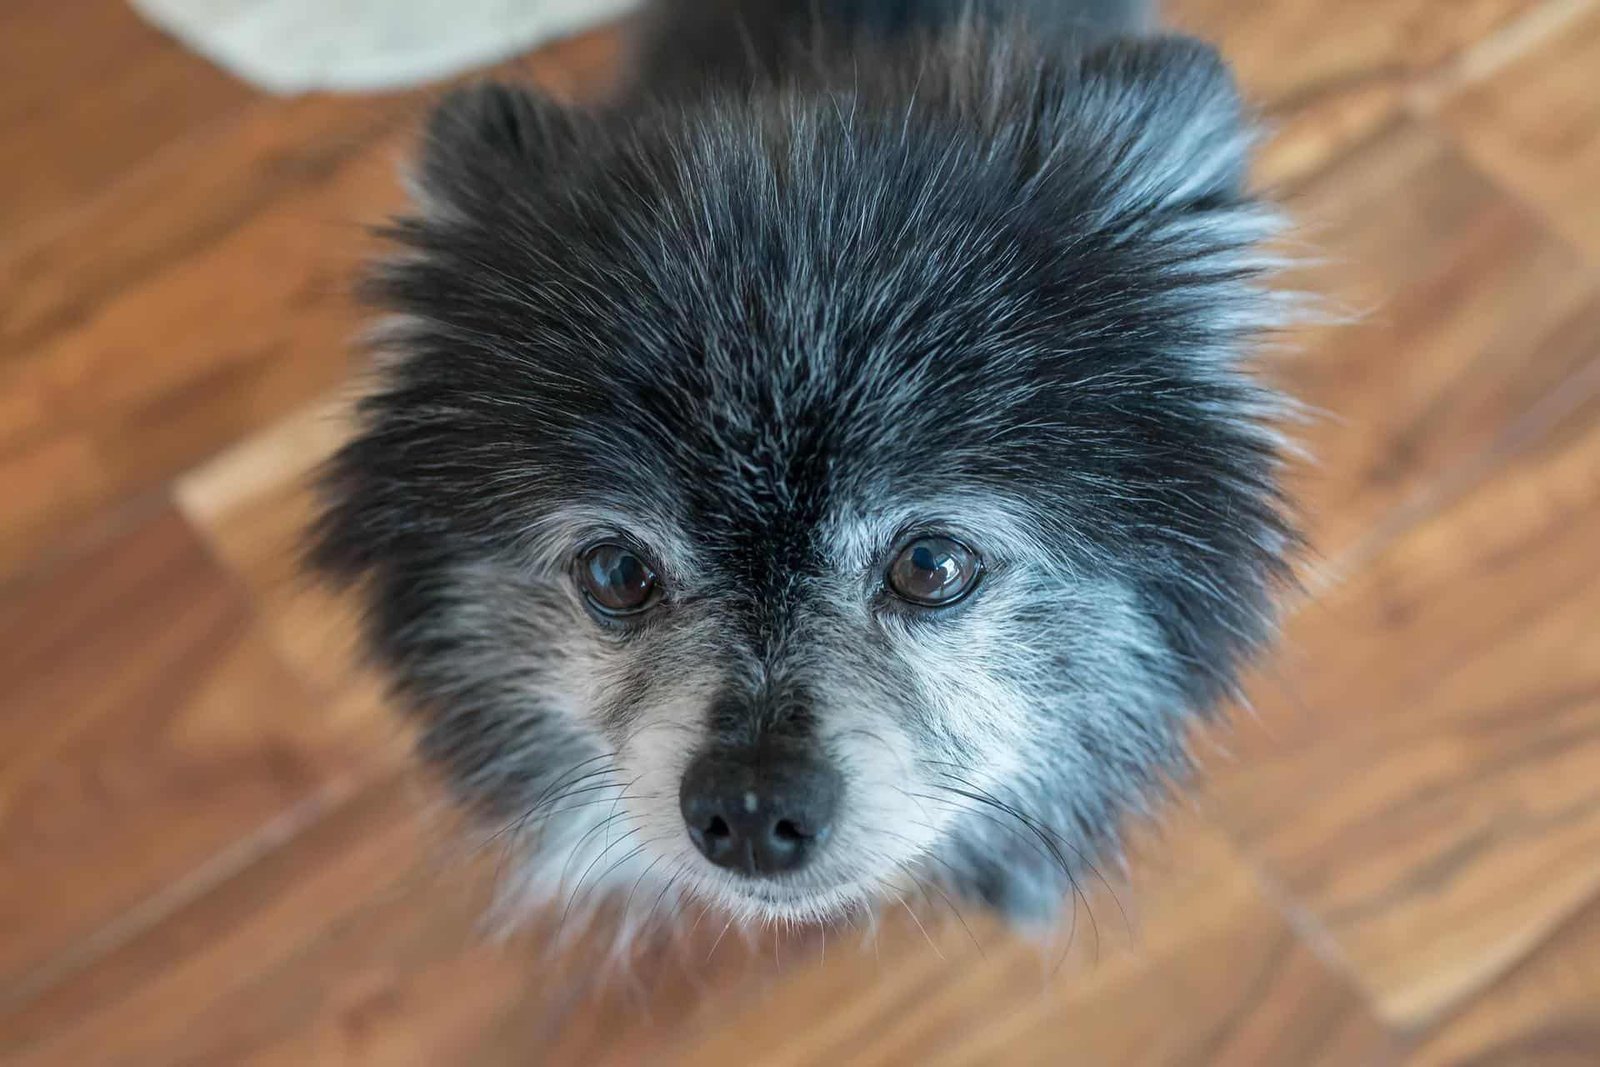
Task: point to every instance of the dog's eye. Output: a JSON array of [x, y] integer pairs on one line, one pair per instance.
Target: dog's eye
[[616, 580], [934, 572]]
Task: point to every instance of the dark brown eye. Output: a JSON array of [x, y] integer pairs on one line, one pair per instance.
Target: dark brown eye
[[934, 572], [616, 580]]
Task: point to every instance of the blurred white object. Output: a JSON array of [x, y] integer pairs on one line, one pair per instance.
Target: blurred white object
[[292, 46]]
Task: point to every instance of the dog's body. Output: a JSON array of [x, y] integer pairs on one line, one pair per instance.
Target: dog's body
[[831, 466]]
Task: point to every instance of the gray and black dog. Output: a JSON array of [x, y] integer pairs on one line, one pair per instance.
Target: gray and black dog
[[831, 465]]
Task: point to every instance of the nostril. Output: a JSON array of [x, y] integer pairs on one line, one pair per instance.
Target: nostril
[[761, 813], [788, 832]]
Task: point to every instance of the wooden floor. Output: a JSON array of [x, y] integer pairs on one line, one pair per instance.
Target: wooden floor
[[212, 848]]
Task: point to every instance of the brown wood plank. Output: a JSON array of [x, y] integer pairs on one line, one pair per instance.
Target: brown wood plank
[[1465, 309], [91, 92], [1424, 778], [254, 504], [148, 731], [365, 946], [216, 179], [1329, 74], [363, 940], [152, 989], [1535, 126], [179, 363], [198, 866], [1546, 1012], [1207, 972], [203, 187], [193, 334]]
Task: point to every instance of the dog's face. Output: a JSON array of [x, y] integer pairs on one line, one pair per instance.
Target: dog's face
[[778, 504]]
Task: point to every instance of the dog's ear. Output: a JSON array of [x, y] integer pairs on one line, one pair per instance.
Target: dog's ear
[[1155, 123], [488, 141]]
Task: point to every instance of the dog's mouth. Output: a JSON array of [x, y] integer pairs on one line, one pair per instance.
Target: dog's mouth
[[811, 900]]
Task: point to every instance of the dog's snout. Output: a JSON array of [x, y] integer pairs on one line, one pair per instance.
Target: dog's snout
[[759, 812]]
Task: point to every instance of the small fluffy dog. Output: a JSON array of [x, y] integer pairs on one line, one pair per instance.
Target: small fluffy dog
[[830, 466]]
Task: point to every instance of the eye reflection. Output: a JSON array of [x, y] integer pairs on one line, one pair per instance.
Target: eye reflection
[[616, 580], [934, 571]]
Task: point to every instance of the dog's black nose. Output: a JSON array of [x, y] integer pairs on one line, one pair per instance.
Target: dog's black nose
[[759, 812]]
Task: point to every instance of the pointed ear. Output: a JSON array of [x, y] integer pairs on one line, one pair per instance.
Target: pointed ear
[[1163, 117], [487, 140]]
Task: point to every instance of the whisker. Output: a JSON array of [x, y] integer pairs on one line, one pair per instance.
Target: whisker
[[555, 787], [628, 903], [1082, 857], [924, 929], [516, 826], [578, 887], [924, 885], [578, 844], [640, 847], [1049, 853], [720, 936]]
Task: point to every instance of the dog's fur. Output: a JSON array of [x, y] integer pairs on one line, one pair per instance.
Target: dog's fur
[[831, 273]]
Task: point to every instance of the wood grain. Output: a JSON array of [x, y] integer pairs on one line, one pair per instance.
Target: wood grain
[[219, 305], [1462, 304], [178, 980], [1205, 972], [181, 362], [1425, 783], [1534, 125], [90, 92], [1546, 1011], [148, 732], [213, 848], [366, 943], [1328, 75], [215, 178], [203, 187], [254, 505]]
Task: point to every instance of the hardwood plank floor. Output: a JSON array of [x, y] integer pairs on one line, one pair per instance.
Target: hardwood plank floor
[[89, 93], [1534, 125], [1462, 299], [1208, 971], [135, 755], [1434, 801], [1541, 1012], [1328, 75], [213, 847]]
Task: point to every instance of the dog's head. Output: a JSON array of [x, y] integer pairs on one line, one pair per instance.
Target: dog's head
[[782, 499]]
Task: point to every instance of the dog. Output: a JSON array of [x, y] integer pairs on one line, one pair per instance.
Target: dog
[[832, 465]]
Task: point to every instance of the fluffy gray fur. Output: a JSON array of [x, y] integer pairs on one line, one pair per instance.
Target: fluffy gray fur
[[830, 275]]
